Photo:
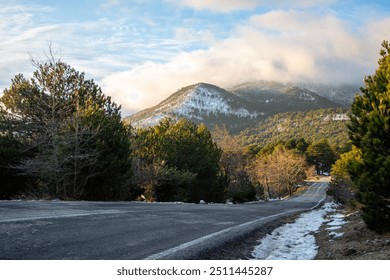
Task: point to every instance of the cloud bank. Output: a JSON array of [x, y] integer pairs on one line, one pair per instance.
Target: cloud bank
[[142, 52], [234, 5], [279, 45]]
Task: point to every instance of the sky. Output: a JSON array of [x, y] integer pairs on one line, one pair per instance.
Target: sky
[[141, 51]]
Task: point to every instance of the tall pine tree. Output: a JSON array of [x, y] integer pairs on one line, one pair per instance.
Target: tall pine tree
[[78, 146], [369, 130]]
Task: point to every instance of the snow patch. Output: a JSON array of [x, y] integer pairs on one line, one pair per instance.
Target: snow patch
[[208, 101], [335, 223], [334, 234], [197, 102], [337, 117], [306, 97], [294, 241], [150, 121]]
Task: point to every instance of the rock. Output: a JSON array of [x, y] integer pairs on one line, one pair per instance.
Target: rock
[[349, 251]]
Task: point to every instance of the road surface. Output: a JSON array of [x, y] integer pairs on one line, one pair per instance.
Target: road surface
[[130, 230]]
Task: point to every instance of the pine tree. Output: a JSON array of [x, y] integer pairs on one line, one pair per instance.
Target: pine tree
[[321, 155], [78, 146], [178, 160], [369, 130]]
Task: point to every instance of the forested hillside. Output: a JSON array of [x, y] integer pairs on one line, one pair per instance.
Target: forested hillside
[[311, 125], [242, 107]]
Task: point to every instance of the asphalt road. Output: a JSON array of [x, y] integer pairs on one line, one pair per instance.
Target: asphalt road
[[130, 230]]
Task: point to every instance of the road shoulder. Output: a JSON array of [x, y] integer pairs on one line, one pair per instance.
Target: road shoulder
[[241, 247], [354, 241]]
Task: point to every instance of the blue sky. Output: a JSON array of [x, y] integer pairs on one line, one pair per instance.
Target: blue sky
[[141, 51]]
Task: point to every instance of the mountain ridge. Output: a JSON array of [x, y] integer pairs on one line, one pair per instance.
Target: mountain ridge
[[238, 108]]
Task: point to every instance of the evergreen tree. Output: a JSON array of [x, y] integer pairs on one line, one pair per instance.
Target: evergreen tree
[[10, 154], [369, 130], [178, 160], [78, 146], [321, 155]]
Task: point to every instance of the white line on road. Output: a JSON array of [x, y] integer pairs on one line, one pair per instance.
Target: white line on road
[[101, 212], [215, 234], [320, 187], [207, 237]]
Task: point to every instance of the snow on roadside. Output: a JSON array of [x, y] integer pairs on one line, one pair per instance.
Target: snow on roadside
[[335, 223], [296, 241]]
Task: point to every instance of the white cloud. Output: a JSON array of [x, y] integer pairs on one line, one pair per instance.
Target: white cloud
[[284, 45], [97, 46], [323, 36], [232, 5], [190, 36], [281, 45], [217, 5]]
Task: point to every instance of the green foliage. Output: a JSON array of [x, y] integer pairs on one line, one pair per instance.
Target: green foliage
[[243, 193], [11, 184], [113, 162], [181, 151], [173, 184], [311, 126], [341, 186], [78, 147], [369, 131], [321, 155]]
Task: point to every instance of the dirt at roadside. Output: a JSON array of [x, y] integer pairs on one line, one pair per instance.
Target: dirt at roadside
[[355, 243]]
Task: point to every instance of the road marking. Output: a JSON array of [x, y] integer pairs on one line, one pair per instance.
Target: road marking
[[314, 207], [309, 188], [207, 237], [215, 234], [320, 187], [101, 212]]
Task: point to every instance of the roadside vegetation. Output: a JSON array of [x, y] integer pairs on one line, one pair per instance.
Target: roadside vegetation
[[62, 137], [360, 177]]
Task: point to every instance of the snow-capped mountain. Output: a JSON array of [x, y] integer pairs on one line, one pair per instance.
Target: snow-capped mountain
[[201, 103], [342, 94], [275, 97], [240, 107]]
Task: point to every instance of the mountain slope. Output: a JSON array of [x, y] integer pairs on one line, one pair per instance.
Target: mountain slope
[[275, 97], [311, 125], [200, 103], [341, 94], [320, 94], [242, 107]]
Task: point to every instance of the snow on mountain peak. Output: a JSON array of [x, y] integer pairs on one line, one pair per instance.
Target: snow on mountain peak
[[238, 108], [208, 99], [196, 102]]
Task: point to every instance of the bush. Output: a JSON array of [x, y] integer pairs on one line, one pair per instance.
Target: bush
[[243, 193]]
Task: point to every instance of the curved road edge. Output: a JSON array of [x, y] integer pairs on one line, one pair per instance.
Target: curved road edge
[[214, 241]]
